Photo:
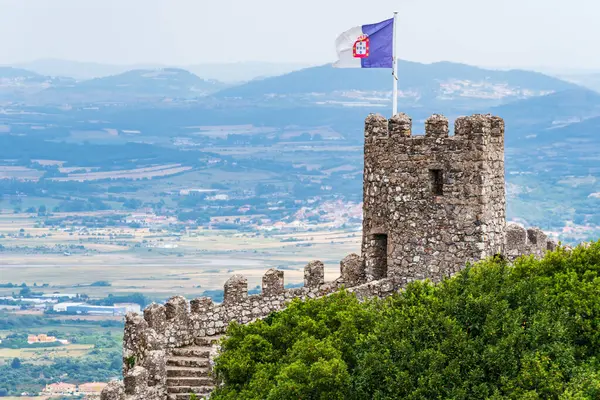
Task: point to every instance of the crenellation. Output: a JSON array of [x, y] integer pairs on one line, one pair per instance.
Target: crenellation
[[352, 270], [400, 125], [432, 203], [436, 126], [314, 274], [156, 317], [236, 289], [480, 125], [272, 282], [376, 126], [201, 305], [176, 307], [462, 126]]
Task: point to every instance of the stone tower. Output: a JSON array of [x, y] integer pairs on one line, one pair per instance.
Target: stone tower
[[432, 203]]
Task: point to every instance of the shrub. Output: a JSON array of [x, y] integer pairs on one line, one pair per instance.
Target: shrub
[[530, 330]]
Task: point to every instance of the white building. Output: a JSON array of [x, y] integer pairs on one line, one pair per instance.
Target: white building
[[124, 308], [62, 307], [58, 295]]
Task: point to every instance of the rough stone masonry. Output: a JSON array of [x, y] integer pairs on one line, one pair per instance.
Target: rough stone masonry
[[431, 204]]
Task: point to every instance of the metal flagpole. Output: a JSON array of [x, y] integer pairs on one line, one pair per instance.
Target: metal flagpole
[[394, 68]]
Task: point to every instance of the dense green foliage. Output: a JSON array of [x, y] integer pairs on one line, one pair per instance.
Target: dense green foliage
[[495, 331]]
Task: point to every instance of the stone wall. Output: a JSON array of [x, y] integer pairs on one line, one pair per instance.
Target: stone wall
[[521, 241], [431, 202], [150, 340]]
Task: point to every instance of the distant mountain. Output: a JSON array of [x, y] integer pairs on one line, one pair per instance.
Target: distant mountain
[[224, 72], [586, 133], [243, 71], [80, 70], [12, 73], [418, 83], [560, 108], [16, 83], [136, 85], [590, 80]]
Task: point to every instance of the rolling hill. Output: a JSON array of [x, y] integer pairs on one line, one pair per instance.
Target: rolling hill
[[136, 85], [17, 83], [224, 72], [418, 83], [556, 109]]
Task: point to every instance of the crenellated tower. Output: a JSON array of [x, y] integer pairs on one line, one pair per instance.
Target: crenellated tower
[[431, 202]]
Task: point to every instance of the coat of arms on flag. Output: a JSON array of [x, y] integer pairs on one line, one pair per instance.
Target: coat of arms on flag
[[361, 47], [366, 46]]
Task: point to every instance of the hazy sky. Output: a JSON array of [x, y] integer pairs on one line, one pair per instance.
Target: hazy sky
[[512, 33]]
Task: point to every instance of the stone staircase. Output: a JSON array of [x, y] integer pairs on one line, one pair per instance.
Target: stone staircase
[[189, 370]]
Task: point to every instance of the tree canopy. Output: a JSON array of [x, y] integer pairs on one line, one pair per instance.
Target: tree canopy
[[530, 330]]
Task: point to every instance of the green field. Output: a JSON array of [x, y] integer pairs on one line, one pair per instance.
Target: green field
[[189, 264]]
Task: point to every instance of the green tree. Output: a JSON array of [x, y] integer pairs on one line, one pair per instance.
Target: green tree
[[16, 363], [530, 330]]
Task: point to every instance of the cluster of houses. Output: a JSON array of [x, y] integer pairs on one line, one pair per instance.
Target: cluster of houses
[[83, 308], [43, 338], [48, 301], [68, 389]]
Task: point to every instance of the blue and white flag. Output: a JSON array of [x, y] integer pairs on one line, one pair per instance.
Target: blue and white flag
[[367, 46]]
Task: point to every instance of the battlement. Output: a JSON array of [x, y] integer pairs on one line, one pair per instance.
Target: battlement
[[156, 343], [432, 194], [431, 204], [436, 126], [520, 241]]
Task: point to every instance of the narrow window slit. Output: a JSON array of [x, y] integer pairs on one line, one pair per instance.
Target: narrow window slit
[[436, 177]]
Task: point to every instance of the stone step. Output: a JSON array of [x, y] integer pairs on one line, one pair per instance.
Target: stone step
[[192, 387], [188, 362], [185, 396], [208, 340], [187, 372], [192, 351]]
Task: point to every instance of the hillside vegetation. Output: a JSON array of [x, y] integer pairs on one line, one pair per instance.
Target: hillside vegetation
[[495, 331]]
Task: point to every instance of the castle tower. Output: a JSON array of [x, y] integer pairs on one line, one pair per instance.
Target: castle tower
[[432, 203]]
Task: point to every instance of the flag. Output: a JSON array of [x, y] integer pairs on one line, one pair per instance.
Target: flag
[[367, 46]]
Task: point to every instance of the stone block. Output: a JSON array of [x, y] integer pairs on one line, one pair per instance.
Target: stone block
[[400, 125], [516, 237], [236, 289], [201, 305], [314, 274], [481, 124], [113, 391], [436, 126], [352, 270], [376, 125], [136, 381], [462, 126], [155, 316], [272, 283], [155, 364], [497, 125], [537, 238], [176, 308]]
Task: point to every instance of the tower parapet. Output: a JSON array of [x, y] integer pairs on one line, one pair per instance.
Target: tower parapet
[[432, 202]]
